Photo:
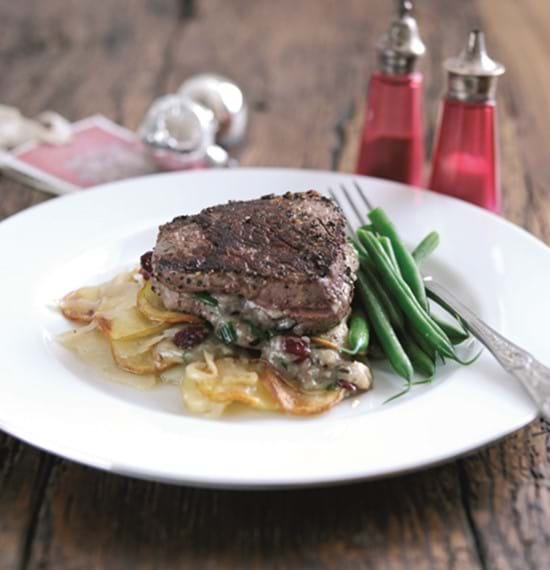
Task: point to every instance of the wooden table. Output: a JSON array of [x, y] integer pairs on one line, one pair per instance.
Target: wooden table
[[304, 65]]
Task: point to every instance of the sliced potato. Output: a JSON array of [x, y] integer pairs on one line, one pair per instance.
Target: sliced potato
[[69, 339], [117, 294], [127, 324], [140, 345], [237, 371], [136, 355], [94, 349], [81, 305], [150, 305], [237, 380], [166, 354], [173, 375], [256, 396], [222, 381], [295, 401], [136, 363], [197, 403]]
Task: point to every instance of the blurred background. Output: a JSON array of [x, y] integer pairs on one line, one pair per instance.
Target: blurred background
[[304, 66]]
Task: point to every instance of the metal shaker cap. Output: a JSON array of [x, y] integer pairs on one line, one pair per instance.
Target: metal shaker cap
[[225, 99], [473, 74], [401, 46]]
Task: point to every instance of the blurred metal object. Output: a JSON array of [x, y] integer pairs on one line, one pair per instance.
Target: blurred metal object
[[181, 130], [225, 99], [180, 133], [401, 46], [217, 157], [178, 124], [472, 76]]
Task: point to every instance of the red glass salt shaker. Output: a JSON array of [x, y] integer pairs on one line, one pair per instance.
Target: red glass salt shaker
[[465, 162], [392, 143]]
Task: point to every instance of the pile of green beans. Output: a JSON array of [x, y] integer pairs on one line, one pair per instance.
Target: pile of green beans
[[397, 323]]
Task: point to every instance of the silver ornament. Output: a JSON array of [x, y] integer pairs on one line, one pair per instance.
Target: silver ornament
[[225, 99], [217, 157], [178, 132]]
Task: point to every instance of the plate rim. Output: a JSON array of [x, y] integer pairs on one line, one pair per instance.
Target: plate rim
[[53, 199]]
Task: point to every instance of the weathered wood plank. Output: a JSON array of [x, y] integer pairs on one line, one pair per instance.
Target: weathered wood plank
[[22, 472], [78, 59], [91, 520], [15, 197], [507, 488]]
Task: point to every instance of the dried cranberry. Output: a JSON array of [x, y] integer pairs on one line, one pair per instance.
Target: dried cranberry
[[349, 386], [190, 336], [146, 264], [297, 347]]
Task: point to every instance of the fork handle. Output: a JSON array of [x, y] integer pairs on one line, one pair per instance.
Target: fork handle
[[534, 376]]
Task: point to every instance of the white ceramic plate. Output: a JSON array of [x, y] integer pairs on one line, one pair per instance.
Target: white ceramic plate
[[55, 402]]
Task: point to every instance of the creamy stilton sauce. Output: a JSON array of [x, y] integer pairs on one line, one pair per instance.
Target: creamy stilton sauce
[[295, 357], [318, 368]]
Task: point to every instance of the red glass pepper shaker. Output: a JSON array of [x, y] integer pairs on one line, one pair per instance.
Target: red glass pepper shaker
[[392, 143], [465, 162]]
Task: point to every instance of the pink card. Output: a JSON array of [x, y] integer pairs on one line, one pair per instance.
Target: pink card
[[100, 151]]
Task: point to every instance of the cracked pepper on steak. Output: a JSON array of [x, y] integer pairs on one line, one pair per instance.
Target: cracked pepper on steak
[[286, 257]]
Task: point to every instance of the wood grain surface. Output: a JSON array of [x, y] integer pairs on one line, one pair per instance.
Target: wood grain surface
[[304, 66]]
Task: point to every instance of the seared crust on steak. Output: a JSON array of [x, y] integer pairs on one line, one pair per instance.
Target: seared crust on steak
[[287, 254]]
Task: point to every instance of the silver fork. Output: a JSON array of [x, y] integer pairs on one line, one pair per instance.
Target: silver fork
[[534, 376]]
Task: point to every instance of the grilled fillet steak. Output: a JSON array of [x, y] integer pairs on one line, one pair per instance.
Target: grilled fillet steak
[[287, 256]]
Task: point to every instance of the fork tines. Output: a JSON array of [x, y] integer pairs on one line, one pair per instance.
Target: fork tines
[[356, 200]]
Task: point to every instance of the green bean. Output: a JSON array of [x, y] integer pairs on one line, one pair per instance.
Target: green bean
[[397, 356], [358, 335], [405, 298], [409, 270], [394, 314], [359, 249], [426, 247], [421, 251], [388, 248], [367, 227], [456, 335], [422, 362], [421, 341]]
